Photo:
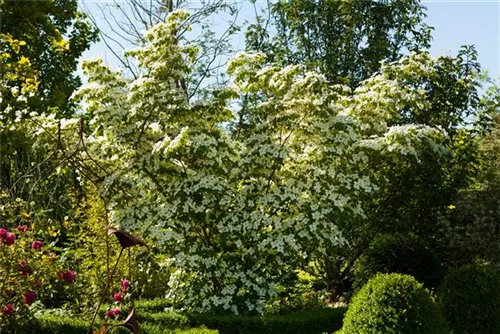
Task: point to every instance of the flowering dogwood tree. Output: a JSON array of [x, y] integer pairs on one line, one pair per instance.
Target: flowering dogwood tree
[[238, 212]]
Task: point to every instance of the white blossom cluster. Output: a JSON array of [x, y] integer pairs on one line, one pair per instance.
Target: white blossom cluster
[[236, 213]]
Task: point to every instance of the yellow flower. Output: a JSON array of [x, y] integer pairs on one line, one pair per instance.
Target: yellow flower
[[61, 45]]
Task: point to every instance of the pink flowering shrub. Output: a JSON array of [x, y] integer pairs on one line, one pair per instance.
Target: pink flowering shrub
[[28, 271]]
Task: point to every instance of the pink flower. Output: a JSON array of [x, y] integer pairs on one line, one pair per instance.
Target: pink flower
[[22, 228], [118, 297], [3, 233], [24, 268], [113, 313], [8, 309], [125, 285], [69, 276], [37, 244], [29, 297], [10, 238]]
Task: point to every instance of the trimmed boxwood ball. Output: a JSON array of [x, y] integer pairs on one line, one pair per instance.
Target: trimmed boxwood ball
[[470, 299], [393, 303]]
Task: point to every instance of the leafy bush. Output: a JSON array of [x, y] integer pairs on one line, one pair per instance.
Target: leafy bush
[[165, 319], [145, 307], [398, 254], [54, 324], [470, 298], [300, 292], [29, 271], [470, 230], [306, 321], [153, 305], [159, 329], [393, 303], [93, 252]]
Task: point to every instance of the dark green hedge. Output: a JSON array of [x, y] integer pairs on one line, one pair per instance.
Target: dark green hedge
[[302, 322], [403, 254], [470, 299], [147, 306], [53, 324], [305, 321], [153, 305], [166, 319]]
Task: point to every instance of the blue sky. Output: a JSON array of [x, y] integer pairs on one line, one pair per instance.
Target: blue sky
[[456, 23], [467, 22]]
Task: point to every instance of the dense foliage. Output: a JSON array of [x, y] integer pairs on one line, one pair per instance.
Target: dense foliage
[[322, 162], [399, 254], [216, 200], [30, 272], [393, 303], [161, 322], [470, 298], [344, 40], [55, 35], [314, 321], [55, 324], [41, 44]]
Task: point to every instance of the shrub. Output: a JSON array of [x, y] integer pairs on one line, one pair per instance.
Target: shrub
[[158, 329], [393, 303], [165, 319], [55, 324], [306, 321], [153, 305], [91, 250], [314, 321], [470, 298], [30, 272], [469, 232], [398, 254]]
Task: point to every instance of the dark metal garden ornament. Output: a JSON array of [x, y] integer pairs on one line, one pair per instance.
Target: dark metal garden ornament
[[130, 323], [126, 240]]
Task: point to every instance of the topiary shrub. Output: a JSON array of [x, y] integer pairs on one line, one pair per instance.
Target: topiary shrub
[[406, 254], [470, 299], [393, 303]]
